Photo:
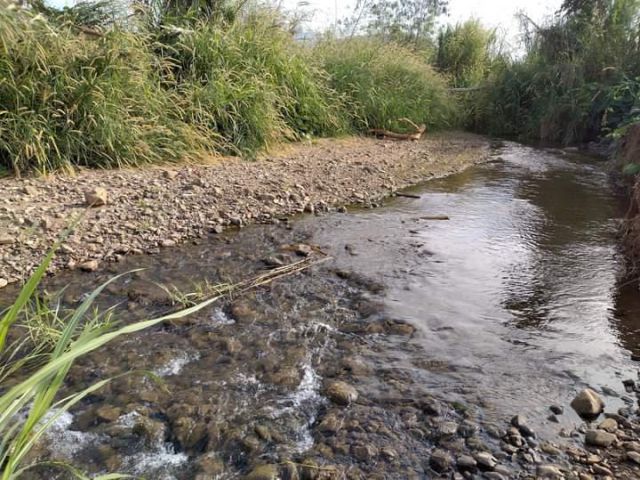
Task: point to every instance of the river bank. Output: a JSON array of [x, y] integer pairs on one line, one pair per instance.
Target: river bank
[[148, 209]]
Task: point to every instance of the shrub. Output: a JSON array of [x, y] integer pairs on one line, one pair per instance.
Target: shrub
[[384, 82]]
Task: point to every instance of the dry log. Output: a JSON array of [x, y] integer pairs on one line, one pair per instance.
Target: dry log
[[382, 133]]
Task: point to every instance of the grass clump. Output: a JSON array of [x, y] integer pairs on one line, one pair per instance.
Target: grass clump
[[250, 82], [385, 82], [70, 100]]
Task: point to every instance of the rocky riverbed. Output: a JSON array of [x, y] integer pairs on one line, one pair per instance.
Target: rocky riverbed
[[294, 381], [144, 210], [477, 331]]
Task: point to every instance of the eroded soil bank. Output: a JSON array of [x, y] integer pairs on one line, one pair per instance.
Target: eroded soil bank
[[152, 208]]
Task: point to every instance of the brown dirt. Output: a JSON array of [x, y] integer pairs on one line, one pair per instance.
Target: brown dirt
[[629, 152], [152, 208]]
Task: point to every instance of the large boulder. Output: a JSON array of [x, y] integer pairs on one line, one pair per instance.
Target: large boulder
[[587, 403]]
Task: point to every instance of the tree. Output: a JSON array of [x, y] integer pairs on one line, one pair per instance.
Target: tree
[[404, 21], [465, 52]]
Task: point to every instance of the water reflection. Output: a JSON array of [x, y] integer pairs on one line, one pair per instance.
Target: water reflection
[[518, 293]]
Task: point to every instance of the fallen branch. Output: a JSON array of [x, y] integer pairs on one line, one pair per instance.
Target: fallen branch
[[382, 133], [407, 195]]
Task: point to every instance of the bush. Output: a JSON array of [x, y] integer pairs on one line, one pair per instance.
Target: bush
[[384, 82]]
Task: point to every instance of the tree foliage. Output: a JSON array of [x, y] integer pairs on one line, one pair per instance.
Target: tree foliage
[[465, 52], [401, 21]]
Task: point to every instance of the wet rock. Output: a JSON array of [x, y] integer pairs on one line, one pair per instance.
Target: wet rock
[[107, 413], [634, 457], [520, 423], [602, 470], [152, 431], [356, 366], [190, 433], [289, 471], [264, 472], [587, 403], [263, 432], [286, 377], [631, 446], [389, 454], [341, 393], [89, 266], [96, 197], [549, 449], [485, 460], [210, 465], [556, 409], [494, 476], [400, 328], [365, 453], [550, 472], [448, 428], [330, 424], [608, 425], [440, 461], [466, 463], [599, 438], [467, 429], [494, 431], [310, 470]]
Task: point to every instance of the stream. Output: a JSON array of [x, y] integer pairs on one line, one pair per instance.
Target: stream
[[446, 329]]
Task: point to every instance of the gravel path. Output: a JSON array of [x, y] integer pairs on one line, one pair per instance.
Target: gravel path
[[152, 208]]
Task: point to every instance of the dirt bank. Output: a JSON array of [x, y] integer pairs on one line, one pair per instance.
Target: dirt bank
[[628, 153], [152, 208]]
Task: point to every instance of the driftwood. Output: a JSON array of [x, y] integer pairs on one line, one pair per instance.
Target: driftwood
[[382, 133], [407, 195]]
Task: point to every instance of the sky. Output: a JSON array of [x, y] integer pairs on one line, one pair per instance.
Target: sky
[[492, 13]]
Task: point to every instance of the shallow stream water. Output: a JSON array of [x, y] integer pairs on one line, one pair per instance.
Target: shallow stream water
[[511, 305]]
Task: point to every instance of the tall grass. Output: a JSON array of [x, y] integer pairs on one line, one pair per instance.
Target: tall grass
[[251, 83], [129, 95], [384, 82], [70, 100]]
